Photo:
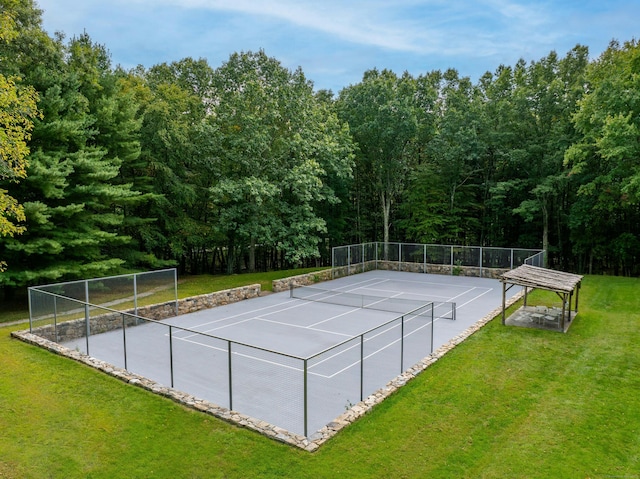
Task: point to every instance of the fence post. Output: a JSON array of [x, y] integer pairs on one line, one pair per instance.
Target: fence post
[[451, 259], [55, 317], [171, 353], [424, 254], [333, 263], [30, 310], [511, 258], [135, 294], [348, 260], [175, 287], [432, 325], [306, 404], [481, 262], [361, 367], [86, 313], [401, 344], [230, 377], [124, 340]]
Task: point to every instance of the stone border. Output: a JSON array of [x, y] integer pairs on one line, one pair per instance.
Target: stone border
[[310, 444]]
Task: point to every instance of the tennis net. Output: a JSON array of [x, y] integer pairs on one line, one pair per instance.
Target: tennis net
[[394, 305]]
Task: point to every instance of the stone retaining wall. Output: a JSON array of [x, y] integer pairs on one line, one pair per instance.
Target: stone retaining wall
[[70, 330], [447, 269], [308, 279]]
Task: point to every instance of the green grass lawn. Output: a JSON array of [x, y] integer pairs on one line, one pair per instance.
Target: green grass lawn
[[507, 403]]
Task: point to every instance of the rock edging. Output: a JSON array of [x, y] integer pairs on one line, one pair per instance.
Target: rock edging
[[309, 444]]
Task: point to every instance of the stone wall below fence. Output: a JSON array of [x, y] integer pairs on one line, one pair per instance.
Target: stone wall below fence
[[70, 330], [308, 279], [430, 268]]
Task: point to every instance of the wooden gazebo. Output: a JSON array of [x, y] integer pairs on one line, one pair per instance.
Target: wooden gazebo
[[565, 285]]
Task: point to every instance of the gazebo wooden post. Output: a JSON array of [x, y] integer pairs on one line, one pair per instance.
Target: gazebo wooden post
[[504, 300], [564, 308]]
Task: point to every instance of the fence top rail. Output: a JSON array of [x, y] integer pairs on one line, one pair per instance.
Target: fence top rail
[[79, 281], [438, 245], [293, 356], [183, 328]]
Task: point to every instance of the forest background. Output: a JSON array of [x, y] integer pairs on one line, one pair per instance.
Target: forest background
[[246, 167]]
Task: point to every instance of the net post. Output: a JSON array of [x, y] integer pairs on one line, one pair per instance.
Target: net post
[[291, 289], [453, 311]]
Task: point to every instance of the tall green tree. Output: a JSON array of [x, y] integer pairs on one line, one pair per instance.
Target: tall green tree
[[70, 196], [442, 194], [18, 109], [382, 117], [277, 144], [605, 162], [174, 142]]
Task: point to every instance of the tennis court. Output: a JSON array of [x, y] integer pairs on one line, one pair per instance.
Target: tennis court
[[299, 363]]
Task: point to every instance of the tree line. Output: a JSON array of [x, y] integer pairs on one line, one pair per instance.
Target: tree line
[[247, 167]]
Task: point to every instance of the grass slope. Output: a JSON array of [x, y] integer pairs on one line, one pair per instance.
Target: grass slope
[[508, 403]]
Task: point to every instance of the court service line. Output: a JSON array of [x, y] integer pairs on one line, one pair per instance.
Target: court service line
[[294, 368], [339, 353], [473, 299], [414, 294], [357, 309], [298, 304], [279, 305], [307, 327]]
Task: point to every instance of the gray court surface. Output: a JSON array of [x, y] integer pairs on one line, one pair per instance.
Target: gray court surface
[[299, 364]]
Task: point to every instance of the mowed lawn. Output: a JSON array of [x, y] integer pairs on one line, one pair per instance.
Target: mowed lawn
[[507, 403]]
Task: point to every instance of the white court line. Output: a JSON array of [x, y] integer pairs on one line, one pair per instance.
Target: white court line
[[413, 294], [355, 363], [473, 299], [279, 305], [255, 358], [308, 327], [357, 309], [298, 304]]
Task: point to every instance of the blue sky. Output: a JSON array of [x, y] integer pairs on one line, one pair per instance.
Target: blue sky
[[335, 42]]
